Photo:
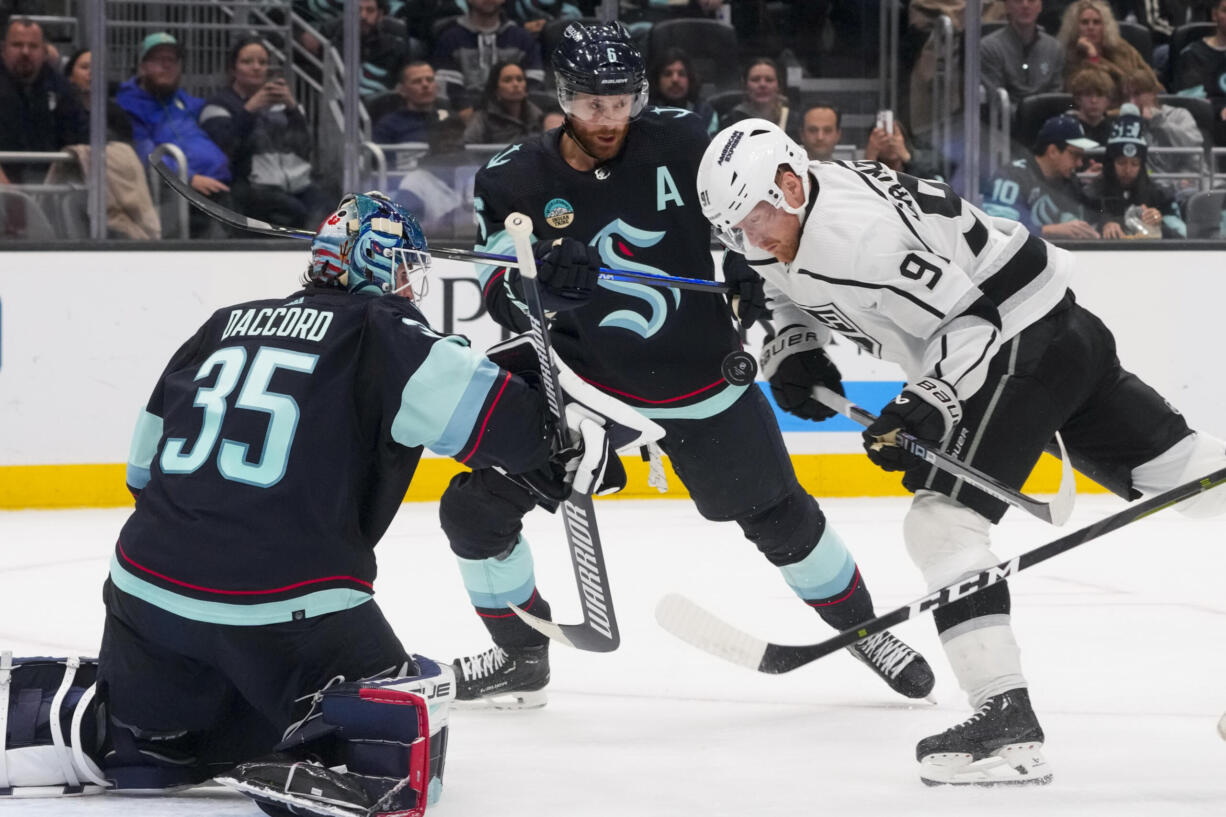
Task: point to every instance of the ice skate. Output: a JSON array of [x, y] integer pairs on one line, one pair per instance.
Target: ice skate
[[901, 667], [513, 678], [1001, 744]]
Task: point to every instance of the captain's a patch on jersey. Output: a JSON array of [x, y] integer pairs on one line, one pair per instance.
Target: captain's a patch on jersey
[[559, 213]]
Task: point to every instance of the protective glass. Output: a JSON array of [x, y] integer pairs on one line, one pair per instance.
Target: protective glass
[[610, 109], [410, 273]]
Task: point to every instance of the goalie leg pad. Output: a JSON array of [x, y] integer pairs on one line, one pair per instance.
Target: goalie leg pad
[[47, 725], [376, 746]]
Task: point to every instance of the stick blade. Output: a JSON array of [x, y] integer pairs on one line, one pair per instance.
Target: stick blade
[[579, 636], [698, 627], [1061, 508]]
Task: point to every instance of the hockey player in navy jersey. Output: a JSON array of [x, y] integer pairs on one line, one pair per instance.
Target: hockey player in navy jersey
[[269, 461], [998, 356], [615, 187]]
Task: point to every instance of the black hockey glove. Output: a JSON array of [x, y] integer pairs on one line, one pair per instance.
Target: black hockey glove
[[927, 409], [567, 270], [594, 467], [794, 362], [745, 292]]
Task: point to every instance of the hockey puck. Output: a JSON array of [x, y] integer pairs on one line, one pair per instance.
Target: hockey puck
[[739, 368]]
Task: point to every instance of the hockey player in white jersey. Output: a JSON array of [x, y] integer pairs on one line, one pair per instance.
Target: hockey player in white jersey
[[998, 357]]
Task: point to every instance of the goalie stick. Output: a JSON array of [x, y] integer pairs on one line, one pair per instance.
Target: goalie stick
[[1056, 512], [598, 631], [235, 219], [704, 630]]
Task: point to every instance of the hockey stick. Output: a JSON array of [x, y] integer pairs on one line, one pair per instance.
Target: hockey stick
[[237, 220], [598, 631], [1056, 512], [695, 625]]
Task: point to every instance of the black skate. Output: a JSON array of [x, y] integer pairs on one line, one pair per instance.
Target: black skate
[[901, 667], [1002, 743], [513, 678]]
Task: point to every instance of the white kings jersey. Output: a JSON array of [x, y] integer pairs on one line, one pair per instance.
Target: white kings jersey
[[911, 273]]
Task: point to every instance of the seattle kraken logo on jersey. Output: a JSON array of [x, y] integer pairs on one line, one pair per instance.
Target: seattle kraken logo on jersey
[[614, 242]]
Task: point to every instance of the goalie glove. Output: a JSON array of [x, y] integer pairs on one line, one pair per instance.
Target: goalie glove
[[794, 362], [927, 409], [592, 466]]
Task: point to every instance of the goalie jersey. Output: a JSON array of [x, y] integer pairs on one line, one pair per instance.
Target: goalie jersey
[[911, 273], [659, 350], [279, 442]]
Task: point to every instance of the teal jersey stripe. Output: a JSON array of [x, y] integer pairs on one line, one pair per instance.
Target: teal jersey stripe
[[310, 605], [698, 411], [144, 446], [452, 380], [491, 583], [826, 571]]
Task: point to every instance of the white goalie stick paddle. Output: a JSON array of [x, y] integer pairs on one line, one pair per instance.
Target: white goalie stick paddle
[[239, 221], [598, 631], [706, 631], [1055, 512]]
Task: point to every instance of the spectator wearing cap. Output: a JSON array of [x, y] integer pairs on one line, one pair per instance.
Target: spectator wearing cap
[[467, 49], [1021, 57], [39, 110], [163, 112], [673, 83], [1041, 191], [265, 135], [1125, 184], [1166, 126]]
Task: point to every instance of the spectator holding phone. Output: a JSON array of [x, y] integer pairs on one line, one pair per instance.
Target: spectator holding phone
[[888, 144], [258, 123]]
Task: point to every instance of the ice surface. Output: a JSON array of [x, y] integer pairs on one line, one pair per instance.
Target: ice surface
[[1124, 641]]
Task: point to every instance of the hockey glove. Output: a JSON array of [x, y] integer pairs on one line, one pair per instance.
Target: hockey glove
[[794, 362], [567, 270], [594, 467], [927, 409], [745, 291]]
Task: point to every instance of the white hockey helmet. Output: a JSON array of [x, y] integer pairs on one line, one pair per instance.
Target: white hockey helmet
[[738, 171]]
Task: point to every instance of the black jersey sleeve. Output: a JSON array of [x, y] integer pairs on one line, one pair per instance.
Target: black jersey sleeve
[[499, 285], [452, 399]]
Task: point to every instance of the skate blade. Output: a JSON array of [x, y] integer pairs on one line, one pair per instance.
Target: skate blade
[[1018, 764], [534, 699]]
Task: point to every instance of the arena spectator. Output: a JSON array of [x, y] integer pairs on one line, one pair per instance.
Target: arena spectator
[[763, 99], [1020, 57], [505, 114], [554, 118], [265, 135], [468, 48], [1166, 126], [1042, 191], [1090, 35], [675, 84], [1125, 184], [1091, 87], [383, 43], [39, 110], [820, 131], [421, 119], [534, 14], [896, 151], [1201, 70], [77, 72], [163, 112]]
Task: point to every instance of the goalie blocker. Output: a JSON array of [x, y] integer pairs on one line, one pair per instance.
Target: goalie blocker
[[369, 747]]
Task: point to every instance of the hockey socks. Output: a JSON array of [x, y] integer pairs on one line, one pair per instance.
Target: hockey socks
[[828, 580], [507, 578]]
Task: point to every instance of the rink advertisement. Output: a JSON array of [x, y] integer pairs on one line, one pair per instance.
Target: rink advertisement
[[77, 360]]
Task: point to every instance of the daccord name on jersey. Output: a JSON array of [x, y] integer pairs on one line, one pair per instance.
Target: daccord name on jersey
[[282, 322]]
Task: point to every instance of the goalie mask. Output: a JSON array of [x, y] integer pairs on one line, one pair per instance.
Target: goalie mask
[[372, 246], [599, 60], [738, 171]]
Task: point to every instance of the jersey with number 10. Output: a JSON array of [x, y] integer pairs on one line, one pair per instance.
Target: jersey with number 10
[[659, 350], [912, 273], [279, 443]]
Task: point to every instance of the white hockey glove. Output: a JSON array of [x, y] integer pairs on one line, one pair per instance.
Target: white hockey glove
[[594, 468], [927, 409]]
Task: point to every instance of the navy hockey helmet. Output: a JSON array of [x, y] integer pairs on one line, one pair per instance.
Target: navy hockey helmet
[[373, 246], [601, 60]]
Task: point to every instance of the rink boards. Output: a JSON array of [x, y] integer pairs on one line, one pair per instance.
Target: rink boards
[[84, 335]]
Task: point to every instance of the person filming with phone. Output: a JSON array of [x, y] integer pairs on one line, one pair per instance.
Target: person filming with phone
[[258, 123], [888, 144]]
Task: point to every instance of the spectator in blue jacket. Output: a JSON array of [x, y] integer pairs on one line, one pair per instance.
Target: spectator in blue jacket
[[468, 48], [163, 112]]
